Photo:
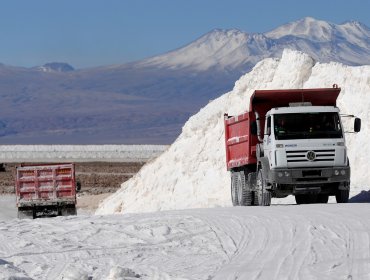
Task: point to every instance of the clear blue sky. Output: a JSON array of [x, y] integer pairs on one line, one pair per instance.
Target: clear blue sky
[[89, 33]]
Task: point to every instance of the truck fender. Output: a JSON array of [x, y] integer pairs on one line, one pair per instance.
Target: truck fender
[[259, 151], [265, 167]]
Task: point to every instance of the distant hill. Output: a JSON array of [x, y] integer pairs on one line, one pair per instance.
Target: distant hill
[[55, 67], [148, 101]]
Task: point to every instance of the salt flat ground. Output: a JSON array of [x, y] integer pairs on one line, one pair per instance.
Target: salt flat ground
[[321, 241]]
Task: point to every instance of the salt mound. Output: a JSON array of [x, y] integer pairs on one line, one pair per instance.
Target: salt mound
[[192, 172]]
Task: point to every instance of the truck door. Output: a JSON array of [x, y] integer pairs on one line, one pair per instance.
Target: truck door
[[267, 140]]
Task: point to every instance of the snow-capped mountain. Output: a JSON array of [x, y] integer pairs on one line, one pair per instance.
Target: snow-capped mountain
[[55, 67], [221, 49], [322, 31], [148, 101], [233, 49]]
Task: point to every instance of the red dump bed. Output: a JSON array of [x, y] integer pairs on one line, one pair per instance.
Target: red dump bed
[[49, 184], [241, 144]]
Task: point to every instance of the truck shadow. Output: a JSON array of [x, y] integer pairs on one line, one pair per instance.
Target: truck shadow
[[362, 197]]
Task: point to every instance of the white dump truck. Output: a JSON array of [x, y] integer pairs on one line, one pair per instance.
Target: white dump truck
[[290, 142]]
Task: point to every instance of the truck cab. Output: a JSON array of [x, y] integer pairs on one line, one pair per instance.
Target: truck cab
[[304, 152]]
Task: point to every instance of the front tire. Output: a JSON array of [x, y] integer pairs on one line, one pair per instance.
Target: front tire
[[342, 196], [262, 195]]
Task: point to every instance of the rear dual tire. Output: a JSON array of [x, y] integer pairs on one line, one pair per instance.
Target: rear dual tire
[[240, 194], [234, 189], [27, 213]]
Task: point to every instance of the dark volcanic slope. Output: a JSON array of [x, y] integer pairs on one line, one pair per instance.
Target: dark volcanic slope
[[125, 105]]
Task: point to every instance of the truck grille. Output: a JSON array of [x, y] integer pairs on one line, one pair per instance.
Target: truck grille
[[310, 155]]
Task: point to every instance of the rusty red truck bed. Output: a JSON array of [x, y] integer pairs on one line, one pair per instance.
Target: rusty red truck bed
[[46, 189]]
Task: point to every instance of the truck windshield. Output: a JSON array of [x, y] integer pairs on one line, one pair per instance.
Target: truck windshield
[[307, 126]]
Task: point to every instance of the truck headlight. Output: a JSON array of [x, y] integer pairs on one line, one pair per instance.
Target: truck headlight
[[336, 172], [342, 172], [287, 174], [280, 174]]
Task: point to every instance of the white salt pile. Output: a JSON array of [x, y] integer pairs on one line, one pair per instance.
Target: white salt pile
[[192, 172]]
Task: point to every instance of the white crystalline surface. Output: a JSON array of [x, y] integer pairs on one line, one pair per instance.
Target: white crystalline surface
[[322, 241], [192, 172]]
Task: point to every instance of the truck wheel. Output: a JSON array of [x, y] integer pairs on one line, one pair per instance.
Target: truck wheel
[[255, 198], [263, 195], [342, 196], [25, 214], [244, 194], [251, 185], [322, 198], [234, 189], [73, 210], [246, 198], [68, 211]]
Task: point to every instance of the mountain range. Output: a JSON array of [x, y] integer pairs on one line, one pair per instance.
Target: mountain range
[[148, 101]]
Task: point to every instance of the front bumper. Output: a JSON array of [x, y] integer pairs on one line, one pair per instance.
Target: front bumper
[[311, 176]]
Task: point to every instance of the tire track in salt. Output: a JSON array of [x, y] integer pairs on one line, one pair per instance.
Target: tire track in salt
[[305, 242], [277, 242], [166, 240], [261, 252]]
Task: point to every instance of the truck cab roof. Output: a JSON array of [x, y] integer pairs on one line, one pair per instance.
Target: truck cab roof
[[303, 109], [263, 100]]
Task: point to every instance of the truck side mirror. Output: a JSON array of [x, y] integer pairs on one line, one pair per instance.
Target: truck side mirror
[[254, 128], [357, 126]]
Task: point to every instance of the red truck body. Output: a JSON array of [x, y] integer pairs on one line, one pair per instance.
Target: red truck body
[[47, 188], [241, 143]]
